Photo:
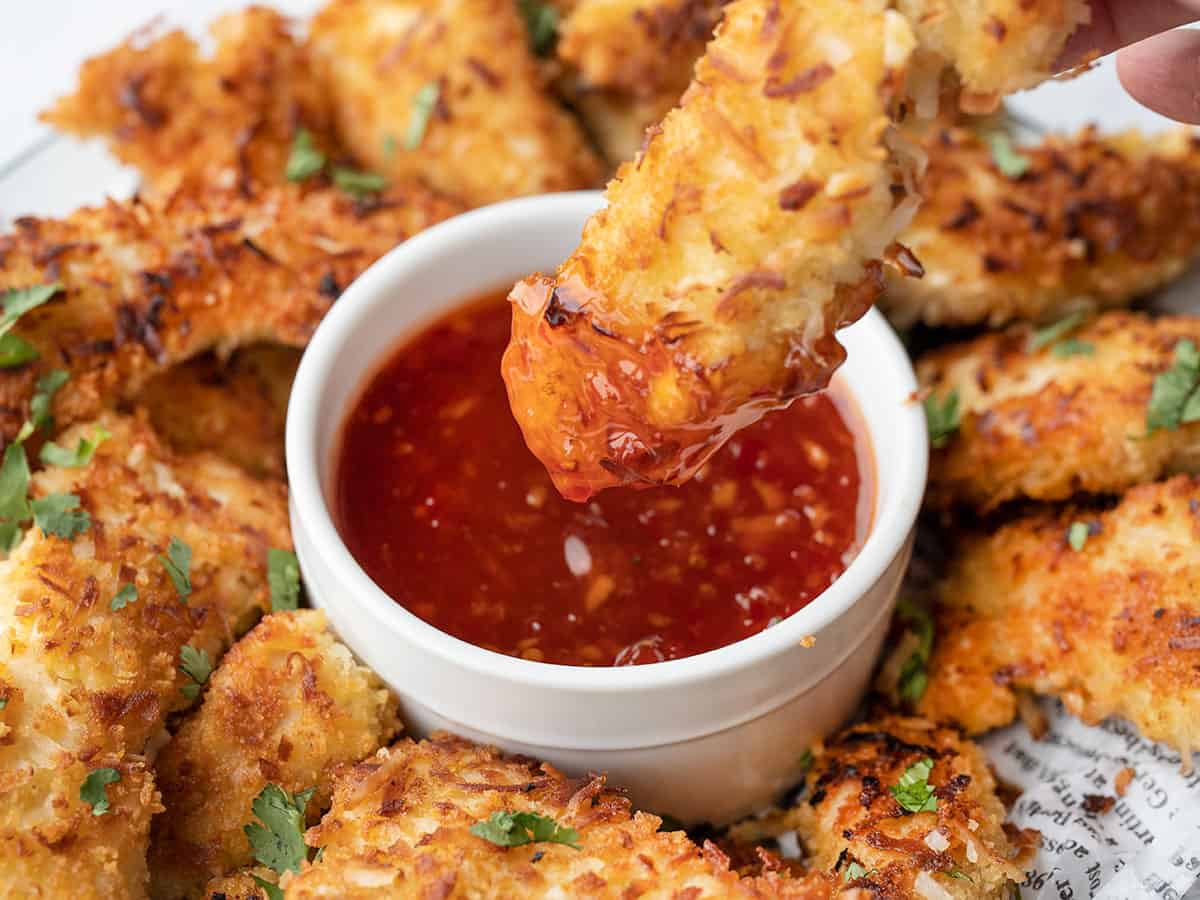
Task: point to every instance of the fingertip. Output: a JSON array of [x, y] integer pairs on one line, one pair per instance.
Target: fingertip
[[1163, 74]]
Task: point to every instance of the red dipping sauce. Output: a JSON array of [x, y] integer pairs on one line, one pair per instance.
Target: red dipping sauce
[[445, 508]]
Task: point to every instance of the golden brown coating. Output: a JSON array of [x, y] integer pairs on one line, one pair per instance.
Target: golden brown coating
[[166, 108], [850, 822], [239, 886], [707, 293], [149, 285], [491, 132], [1113, 628], [1038, 424], [996, 46], [1094, 220], [86, 685], [400, 827], [287, 704], [234, 407]]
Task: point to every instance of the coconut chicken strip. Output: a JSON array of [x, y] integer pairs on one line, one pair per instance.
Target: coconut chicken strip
[[707, 293], [172, 112], [900, 807], [1087, 221], [450, 92], [105, 622], [407, 823], [287, 704], [146, 285], [1078, 406], [1098, 608]]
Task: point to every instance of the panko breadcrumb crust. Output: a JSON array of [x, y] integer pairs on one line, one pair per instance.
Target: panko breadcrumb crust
[[1112, 628], [88, 686], [1091, 222], [493, 131], [287, 705], [1039, 425], [149, 284]]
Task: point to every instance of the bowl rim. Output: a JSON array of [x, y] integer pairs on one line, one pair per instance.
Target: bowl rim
[[890, 526]]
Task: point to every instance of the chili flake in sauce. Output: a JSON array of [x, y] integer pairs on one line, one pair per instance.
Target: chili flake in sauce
[[446, 509]]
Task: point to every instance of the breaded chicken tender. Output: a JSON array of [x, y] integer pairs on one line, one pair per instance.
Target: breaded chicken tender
[[234, 407], [92, 631], [400, 827], [1092, 221], [450, 92], [287, 704], [172, 112], [855, 829], [996, 46], [240, 886], [1113, 627], [147, 285], [1040, 424], [707, 293]]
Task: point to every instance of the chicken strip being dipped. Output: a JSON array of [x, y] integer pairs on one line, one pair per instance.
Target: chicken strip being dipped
[[140, 569], [899, 807], [1098, 608], [448, 91], [287, 704], [708, 292], [229, 118], [1084, 222], [146, 285]]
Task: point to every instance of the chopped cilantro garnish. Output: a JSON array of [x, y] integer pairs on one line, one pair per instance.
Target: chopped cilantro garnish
[[283, 574], [358, 184], [1073, 347], [60, 515], [913, 677], [305, 160], [942, 419], [15, 351], [1077, 535], [54, 455], [277, 839], [1010, 162], [178, 563], [1174, 399], [126, 595], [541, 21], [93, 790], [1049, 334], [272, 891], [960, 875], [806, 760], [14, 495], [422, 110], [855, 871], [43, 396], [3, 702], [509, 829], [196, 665], [913, 791]]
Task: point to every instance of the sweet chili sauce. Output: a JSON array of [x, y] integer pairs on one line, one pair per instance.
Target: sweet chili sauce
[[446, 509]]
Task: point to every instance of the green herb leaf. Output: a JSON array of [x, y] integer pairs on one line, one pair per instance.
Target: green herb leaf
[[358, 184], [1047, 335], [1073, 347], [806, 760], [278, 842], [942, 419], [422, 109], [16, 351], [508, 829], [913, 791], [913, 675], [272, 891], [60, 515], [126, 595], [283, 574], [960, 875], [3, 702], [541, 21], [43, 396], [178, 563], [93, 790], [1077, 535], [305, 160], [54, 455], [196, 665], [855, 871], [1172, 400], [18, 301], [1005, 155], [14, 495]]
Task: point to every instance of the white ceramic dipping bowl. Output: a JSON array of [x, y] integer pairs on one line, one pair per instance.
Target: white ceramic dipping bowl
[[707, 738]]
